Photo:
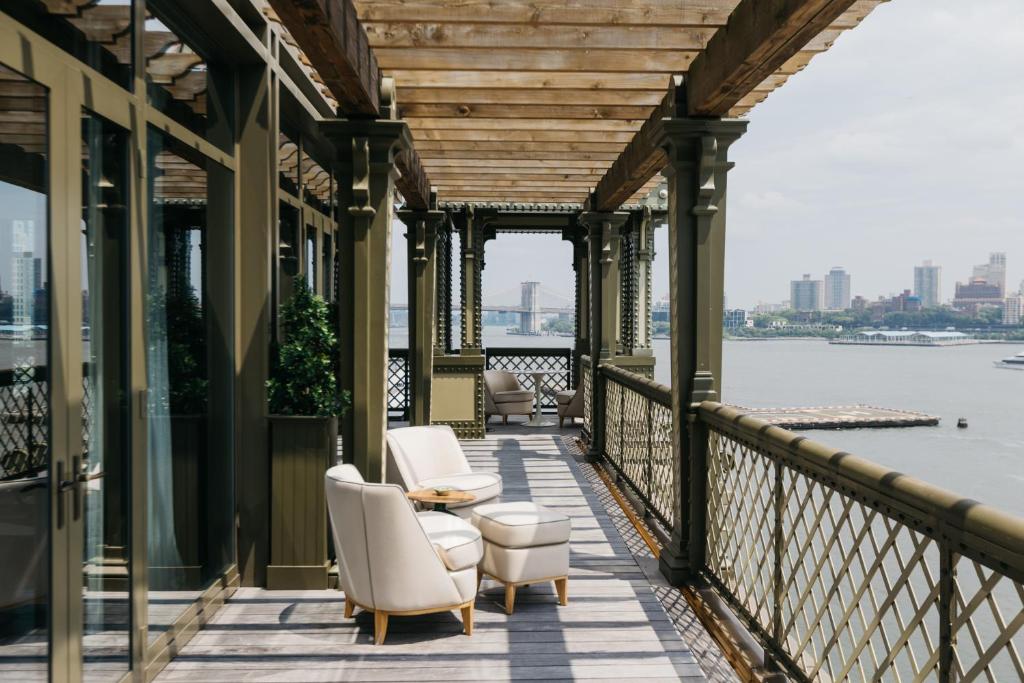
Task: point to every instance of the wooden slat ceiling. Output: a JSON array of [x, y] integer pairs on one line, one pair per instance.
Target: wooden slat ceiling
[[532, 100]]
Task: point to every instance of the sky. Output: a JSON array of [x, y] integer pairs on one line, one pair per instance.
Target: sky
[[903, 142]]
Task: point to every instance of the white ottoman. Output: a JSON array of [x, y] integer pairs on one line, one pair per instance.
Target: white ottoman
[[524, 543]]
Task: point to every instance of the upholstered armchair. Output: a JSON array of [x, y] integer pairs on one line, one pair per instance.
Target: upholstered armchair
[[430, 456], [570, 405], [393, 562], [504, 395]]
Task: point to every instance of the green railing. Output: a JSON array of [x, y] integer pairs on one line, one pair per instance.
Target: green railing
[[842, 569], [845, 569], [638, 437]]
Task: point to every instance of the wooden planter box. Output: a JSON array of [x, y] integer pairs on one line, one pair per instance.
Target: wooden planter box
[[301, 451]]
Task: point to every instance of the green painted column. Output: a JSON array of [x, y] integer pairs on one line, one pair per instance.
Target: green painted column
[[422, 262], [471, 231], [365, 169], [603, 266], [697, 164]]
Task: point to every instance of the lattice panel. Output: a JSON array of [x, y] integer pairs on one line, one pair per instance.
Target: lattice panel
[[988, 624], [398, 383], [587, 385], [521, 363], [740, 541], [859, 589], [638, 442], [24, 414], [840, 589]]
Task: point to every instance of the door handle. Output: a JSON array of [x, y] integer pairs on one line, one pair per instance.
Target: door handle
[[74, 484]]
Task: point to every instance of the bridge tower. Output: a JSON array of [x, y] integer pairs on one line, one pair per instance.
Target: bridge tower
[[529, 319]]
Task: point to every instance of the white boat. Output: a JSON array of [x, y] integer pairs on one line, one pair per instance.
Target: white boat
[[1012, 363]]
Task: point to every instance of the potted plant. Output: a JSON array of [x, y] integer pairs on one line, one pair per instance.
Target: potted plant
[[305, 402]]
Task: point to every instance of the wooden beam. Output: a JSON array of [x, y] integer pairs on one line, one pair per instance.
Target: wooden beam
[[538, 36], [520, 135], [412, 182], [482, 124], [518, 59], [496, 95], [430, 156], [540, 80], [524, 111], [425, 146], [760, 37], [334, 41]]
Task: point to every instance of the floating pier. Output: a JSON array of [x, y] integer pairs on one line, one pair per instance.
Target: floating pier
[[841, 417]]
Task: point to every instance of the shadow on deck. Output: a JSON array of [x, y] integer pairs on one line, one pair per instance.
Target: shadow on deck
[[621, 621]]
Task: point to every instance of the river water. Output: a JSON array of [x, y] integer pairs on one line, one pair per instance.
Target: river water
[[984, 461]]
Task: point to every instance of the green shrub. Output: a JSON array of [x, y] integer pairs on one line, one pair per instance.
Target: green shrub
[[303, 380]]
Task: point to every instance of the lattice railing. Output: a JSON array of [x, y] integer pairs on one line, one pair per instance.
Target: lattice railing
[[638, 437], [845, 570], [521, 361], [398, 384], [586, 385], [24, 416]]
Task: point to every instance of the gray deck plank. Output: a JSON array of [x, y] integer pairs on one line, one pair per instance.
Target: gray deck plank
[[614, 626]]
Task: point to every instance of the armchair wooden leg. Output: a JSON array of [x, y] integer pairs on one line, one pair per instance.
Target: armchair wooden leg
[[562, 587], [504, 419], [561, 421], [380, 626], [467, 619], [510, 597], [479, 578], [349, 608]]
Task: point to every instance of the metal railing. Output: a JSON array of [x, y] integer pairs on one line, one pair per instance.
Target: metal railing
[[842, 569], [24, 416], [398, 384], [586, 384], [845, 569], [638, 437], [521, 360]]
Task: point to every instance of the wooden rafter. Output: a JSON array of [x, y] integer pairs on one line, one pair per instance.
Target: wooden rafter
[[529, 90]]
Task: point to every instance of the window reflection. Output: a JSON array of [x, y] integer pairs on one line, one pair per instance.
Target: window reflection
[[189, 377], [105, 418], [24, 377], [97, 32]]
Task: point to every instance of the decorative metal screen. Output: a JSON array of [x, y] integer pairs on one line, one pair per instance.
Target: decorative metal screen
[[586, 373], [638, 437], [24, 415], [847, 571], [521, 361], [398, 384]]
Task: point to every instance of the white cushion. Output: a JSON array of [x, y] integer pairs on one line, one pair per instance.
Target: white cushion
[[457, 542], [564, 396], [521, 525], [513, 396], [526, 564], [427, 452], [483, 485]]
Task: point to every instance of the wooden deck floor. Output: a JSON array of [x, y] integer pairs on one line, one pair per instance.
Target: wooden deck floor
[[613, 628]]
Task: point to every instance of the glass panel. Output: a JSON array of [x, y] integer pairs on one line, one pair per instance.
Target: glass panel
[[97, 32], [316, 185], [288, 164], [288, 257], [328, 267], [189, 376], [105, 419], [24, 381], [179, 82], [311, 257]]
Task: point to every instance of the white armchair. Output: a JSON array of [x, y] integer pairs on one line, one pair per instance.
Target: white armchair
[[392, 561], [427, 457]]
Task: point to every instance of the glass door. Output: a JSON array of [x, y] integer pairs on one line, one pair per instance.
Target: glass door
[[102, 522], [25, 427]]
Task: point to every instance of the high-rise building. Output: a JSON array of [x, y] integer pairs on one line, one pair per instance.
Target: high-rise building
[[837, 289], [25, 271], [807, 294], [928, 284], [1013, 309], [994, 272]]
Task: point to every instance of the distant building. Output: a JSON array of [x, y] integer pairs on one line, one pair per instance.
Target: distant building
[[975, 294], [736, 319], [859, 304], [763, 308], [1013, 309], [837, 290], [992, 273], [807, 294], [26, 271], [928, 284], [906, 338], [904, 302]]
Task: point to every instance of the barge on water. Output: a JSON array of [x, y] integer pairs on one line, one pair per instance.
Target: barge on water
[[905, 338], [841, 417]]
